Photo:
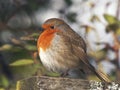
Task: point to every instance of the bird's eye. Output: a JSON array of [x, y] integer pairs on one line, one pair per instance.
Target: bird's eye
[[52, 27]]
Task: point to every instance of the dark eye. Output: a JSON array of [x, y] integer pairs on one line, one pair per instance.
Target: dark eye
[[52, 27]]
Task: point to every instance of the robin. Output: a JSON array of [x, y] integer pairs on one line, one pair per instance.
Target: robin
[[62, 50]]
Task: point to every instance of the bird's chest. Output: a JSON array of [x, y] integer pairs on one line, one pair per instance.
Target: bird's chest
[[51, 57]]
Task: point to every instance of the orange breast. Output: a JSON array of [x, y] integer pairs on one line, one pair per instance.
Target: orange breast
[[45, 39]]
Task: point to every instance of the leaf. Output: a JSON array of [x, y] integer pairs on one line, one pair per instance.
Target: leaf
[[53, 74], [22, 62], [35, 34], [21, 72], [2, 89], [95, 18], [118, 31], [6, 47], [4, 81], [110, 19], [112, 27], [31, 37], [10, 48], [30, 47], [98, 54]]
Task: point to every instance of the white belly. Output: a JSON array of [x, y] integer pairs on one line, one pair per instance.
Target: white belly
[[48, 60]]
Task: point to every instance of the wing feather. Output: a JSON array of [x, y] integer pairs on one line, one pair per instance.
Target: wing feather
[[78, 49]]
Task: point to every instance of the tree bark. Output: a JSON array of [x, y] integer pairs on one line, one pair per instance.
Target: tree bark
[[52, 83]]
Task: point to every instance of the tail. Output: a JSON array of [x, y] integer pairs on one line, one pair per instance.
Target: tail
[[102, 76]]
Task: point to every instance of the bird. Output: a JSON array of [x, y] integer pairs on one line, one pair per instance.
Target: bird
[[63, 50]]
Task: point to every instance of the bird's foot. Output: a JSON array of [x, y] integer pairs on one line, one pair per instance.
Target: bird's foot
[[64, 74]]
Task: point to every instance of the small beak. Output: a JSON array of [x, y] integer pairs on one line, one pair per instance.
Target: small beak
[[41, 29]]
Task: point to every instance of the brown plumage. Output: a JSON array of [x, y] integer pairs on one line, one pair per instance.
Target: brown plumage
[[62, 50]]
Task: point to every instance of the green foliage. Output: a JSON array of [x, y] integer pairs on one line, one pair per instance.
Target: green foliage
[[113, 24], [4, 81], [25, 71], [110, 19], [2, 89], [6, 47], [30, 47], [98, 54], [35, 35], [22, 62], [53, 74], [95, 18], [71, 17], [10, 48], [112, 27]]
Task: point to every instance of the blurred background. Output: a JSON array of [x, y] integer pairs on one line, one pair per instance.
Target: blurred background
[[97, 21]]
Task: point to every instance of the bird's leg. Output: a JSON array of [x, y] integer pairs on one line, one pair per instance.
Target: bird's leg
[[34, 55], [63, 74]]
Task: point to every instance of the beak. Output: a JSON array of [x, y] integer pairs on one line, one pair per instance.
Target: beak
[[41, 29]]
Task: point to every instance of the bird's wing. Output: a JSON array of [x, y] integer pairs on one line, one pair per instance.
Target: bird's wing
[[75, 38], [76, 46]]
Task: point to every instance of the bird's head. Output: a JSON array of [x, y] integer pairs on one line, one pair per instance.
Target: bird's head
[[50, 27], [54, 24]]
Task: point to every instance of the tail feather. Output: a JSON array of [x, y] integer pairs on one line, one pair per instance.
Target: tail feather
[[102, 76]]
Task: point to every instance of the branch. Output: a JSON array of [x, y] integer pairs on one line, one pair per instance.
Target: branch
[[52, 83]]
